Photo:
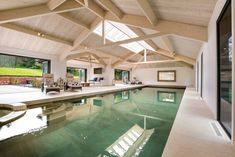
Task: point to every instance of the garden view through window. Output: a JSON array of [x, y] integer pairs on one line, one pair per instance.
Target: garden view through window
[[78, 73], [22, 66]]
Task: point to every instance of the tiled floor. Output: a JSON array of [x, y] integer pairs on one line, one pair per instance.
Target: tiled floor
[[192, 134]]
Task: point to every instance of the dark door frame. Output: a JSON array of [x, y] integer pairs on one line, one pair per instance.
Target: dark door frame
[[197, 76], [228, 2], [201, 76]]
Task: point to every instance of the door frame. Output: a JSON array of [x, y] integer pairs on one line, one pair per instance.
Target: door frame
[[228, 2]]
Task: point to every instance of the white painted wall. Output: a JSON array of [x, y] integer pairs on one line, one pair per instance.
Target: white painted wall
[[209, 51], [210, 61], [185, 76], [58, 68]]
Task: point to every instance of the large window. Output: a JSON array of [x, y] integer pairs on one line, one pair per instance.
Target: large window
[[166, 76], [224, 33], [121, 75], [11, 65], [78, 73]]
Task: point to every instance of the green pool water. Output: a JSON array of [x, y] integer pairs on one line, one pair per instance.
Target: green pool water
[[87, 127]]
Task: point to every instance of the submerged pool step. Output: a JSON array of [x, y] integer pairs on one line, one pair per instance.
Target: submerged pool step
[[18, 111], [11, 117]]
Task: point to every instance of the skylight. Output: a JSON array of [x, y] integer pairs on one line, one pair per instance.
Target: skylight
[[117, 32]]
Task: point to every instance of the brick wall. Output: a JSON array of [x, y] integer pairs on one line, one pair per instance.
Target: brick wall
[[5, 80]]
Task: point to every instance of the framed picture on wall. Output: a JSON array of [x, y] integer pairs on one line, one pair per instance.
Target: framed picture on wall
[[166, 76]]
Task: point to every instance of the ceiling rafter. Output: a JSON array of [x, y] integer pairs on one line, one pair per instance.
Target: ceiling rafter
[[75, 56], [121, 42], [151, 62], [66, 16], [160, 51], [35, 33], [35, 11], [139, 32], [125, 58], [194, 32], [190, 31], [166, 41], [52, 4], [93, 7], [112, 8], [148, 11], [83, 36]]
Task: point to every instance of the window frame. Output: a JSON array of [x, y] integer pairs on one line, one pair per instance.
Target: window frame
[[166, 71]]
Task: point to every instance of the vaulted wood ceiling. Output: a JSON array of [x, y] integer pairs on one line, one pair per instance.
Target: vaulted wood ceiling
[[175, 29]]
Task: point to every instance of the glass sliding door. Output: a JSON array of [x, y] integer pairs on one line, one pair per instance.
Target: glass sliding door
[[121, 75], [78, 73], [224, 44], [46, 67]]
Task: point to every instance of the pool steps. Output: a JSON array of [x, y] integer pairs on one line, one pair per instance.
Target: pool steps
[[17, 111], [131, 143]]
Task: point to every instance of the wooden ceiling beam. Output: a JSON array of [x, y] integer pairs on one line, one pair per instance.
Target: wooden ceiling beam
[[135, 65], [75, 56], [166, 41], [112, 8], [125, 58], [151, 62], [52, 4], [35, 11], [177, 56], [194, 32], [82, 36], [93, 7], [190, 31], [148, 11], [79, 23], [35, 33], [139, 32], [121, 42], [101, 61]]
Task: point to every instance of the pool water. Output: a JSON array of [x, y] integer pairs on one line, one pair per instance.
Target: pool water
[[95, 126]]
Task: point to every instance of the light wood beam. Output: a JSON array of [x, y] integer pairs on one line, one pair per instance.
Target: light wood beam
[[139, 32], [198, 33], [93, 7], [185, 59], [52, 4], [35, 11], [168, 44], [177, 56], [148, 11], [88, 61], [121, 42], [190, 31], [135, 66], [151, 62], [112, 8], [35, 33], [84, 34], [75, 56], [75, 21], [98, 59], [125, 58]]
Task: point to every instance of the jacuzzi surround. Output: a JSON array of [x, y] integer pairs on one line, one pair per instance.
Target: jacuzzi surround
[[18, 110]]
